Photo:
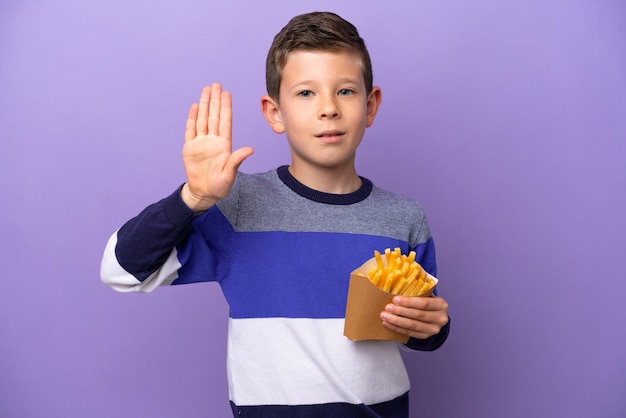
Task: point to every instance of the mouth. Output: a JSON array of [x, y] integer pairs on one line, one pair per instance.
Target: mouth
[[330, 134]]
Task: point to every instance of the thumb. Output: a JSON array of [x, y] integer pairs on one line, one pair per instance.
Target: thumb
[[236, 158]]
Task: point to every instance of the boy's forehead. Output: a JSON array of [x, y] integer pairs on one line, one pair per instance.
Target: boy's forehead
[[321, 58], [347, 53], [311, 65]]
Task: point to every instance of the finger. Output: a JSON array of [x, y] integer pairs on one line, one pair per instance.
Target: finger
[[215, 108], [190, 127], [411, 317], [412, 328], [226, 116], [236, 158], [433, 303], [203, 111], [398, 313]]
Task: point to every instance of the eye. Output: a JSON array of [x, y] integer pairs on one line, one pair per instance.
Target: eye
[[345, 92], [305, 93]]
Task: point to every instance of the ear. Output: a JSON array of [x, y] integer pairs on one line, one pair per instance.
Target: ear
[[271, 112], [374, 100]]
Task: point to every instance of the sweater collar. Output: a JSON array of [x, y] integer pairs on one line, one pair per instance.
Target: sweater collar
[[321, 197]]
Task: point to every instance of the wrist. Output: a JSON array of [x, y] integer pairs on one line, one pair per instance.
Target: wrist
[[196, 203]]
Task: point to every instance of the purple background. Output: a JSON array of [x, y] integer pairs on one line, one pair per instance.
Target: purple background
[[507, 120]]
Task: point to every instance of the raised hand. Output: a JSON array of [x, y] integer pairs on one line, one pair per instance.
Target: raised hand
[[210, 164]]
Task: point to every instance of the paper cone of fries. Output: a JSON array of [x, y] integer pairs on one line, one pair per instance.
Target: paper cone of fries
[[366, 300]]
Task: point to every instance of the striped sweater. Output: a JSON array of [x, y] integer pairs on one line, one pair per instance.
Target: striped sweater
[[282, 254]]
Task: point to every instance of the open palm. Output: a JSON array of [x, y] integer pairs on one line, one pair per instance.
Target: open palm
[[210, 164]]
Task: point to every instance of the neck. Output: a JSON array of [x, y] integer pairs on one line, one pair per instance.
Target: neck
[[334, 180]]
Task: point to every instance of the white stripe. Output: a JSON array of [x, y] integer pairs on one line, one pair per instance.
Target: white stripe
[[114, 275], [286, 361]]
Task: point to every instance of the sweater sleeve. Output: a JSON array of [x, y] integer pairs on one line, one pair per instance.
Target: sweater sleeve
[[141, 255], [426, 257], [431, 343]]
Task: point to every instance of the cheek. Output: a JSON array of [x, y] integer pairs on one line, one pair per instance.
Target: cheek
[[359, 116], [295, 120]]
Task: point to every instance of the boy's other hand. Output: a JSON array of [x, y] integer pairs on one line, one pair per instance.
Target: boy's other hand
[[210, 164], [417, 317]]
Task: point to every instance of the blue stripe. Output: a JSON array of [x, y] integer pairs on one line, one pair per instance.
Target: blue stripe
[[281, 274], [296, 274], [206, 252]]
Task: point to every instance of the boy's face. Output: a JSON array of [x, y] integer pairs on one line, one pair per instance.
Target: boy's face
[[324, 108]]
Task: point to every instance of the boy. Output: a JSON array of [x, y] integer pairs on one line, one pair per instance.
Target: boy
[[283, 243]]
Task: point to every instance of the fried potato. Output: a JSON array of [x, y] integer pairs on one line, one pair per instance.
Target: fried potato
[[400, 274]]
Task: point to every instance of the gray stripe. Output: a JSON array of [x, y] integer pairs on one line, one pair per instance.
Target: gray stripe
[[262, 202]]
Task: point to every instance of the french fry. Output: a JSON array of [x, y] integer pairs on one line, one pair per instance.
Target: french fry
[[375, 278], [399, 274], [411, 288], [388, 281], [379, 260], [405, 269], [412, 275], [397, 288]]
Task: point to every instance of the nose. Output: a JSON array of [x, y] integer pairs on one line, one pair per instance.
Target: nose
[[328, 107]]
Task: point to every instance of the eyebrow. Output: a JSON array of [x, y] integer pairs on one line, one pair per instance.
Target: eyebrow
[[309, 82]]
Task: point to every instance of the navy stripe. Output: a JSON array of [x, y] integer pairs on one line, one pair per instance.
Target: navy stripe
[[145, 241], [396, 408]]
